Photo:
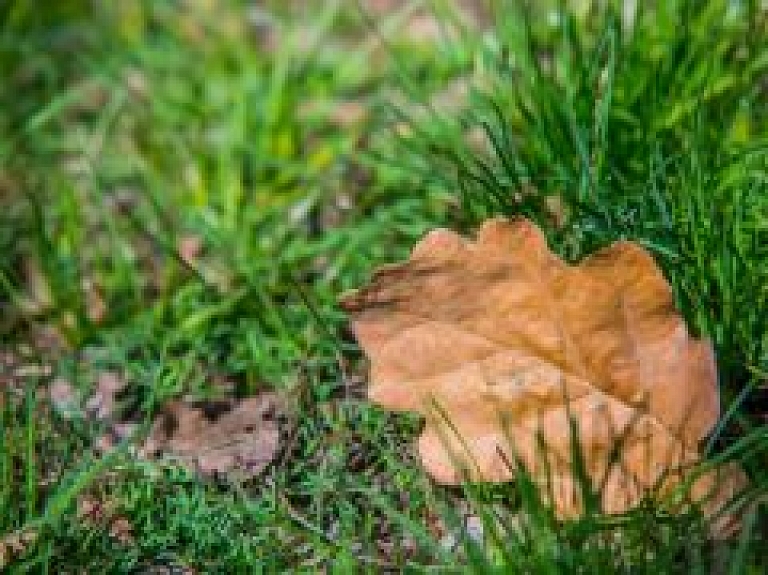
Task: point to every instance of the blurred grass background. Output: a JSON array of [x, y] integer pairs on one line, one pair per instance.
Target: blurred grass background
[[187, 186]]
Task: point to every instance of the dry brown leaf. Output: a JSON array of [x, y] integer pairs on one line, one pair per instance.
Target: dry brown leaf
[[556, 210], [64, 397], [344, 113], [14, 545], [121, 530], [189, 248], [95, 303], [245, 438], [38, 298], [103, 402], [500, 330]]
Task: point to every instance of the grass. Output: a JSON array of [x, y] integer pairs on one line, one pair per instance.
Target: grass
[[152, 128]]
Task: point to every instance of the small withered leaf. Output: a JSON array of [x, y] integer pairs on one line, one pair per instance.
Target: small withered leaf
[[243, 440]]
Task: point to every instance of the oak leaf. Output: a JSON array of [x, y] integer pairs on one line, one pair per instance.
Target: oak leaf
[[522, 352]]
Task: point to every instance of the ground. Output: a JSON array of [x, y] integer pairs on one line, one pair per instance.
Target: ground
[[187, 189]]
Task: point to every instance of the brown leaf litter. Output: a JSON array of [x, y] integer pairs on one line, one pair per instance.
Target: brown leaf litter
[[239, 437], [244, 439]]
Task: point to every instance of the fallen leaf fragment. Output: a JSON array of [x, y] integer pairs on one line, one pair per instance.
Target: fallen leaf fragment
[[515, 346], [121, 530], [38, 297], [64, 397], [345, 113], [556, 210], [103, 402], [189, 248], [244, 439], [14, 545], [95, 304]]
